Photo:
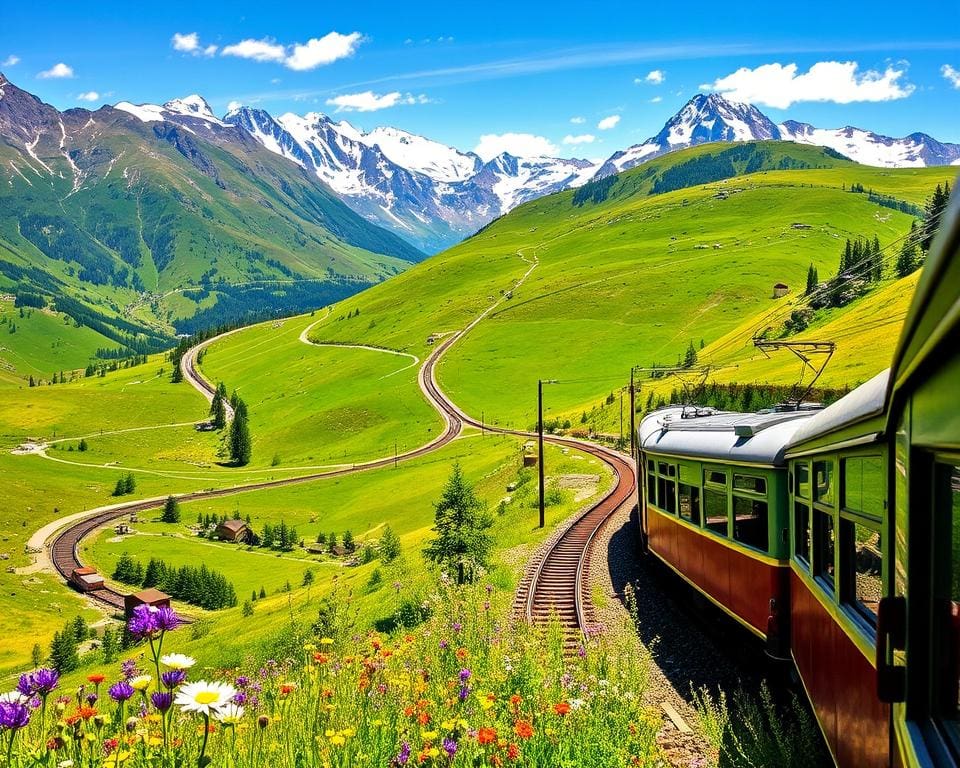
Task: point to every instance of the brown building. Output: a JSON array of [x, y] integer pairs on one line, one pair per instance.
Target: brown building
[[780, 289], [233, 530], [152, 597], [86, 579]]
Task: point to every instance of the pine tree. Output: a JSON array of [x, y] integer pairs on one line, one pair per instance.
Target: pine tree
[[241, 446], [176, 376], [389, 545], [462, 542], [108, 644], [263, 593], [267, 537], [877, 260], [812, 280], [907, 260], [348, 543], [331, 542], [932, 215], [171, 510], [82, 445], [64, 656], [80, 630], [847, 258], [36, 655], [33, 382], [690, 357]]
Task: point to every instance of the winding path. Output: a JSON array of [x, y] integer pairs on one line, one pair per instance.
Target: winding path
[[555, 583]]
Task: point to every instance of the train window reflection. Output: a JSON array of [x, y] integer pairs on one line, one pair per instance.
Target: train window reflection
[[863, 485], [862, 563], [713, 476], [750, 522], [823, 482], [801, 542], [823, 546], [802, 480], [715, 509], [690, 503], [750, 483]]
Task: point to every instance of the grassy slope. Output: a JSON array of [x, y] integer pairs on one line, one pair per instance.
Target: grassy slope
[[44, 342], [623, 283]]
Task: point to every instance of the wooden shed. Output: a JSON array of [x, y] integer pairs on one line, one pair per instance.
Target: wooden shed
[[86, 579], [780, 289], [152, 597], [233, 530]]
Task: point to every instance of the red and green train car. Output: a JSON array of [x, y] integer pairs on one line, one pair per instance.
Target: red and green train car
[[833, 534]]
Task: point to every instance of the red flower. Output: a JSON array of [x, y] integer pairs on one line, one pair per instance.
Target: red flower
[[561, 708], [515, 701], [513, 751], [486, 735], [423, 718], [321, 658], [96, 679], [286, 689], [523, 729]]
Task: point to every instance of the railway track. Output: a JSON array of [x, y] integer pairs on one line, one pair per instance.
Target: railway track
[[555, 583]]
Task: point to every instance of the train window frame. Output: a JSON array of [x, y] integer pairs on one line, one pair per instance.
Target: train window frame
[[711, 486], [696, 515], [803, 560], [755, 497], [664, 475], [827, 580]]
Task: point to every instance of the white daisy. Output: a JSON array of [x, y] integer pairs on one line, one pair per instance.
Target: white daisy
[[177, 661], [229, 714], [204, 697]]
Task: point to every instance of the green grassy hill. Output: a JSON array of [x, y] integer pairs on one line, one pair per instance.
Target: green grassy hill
[[137, 229], [627, 276]]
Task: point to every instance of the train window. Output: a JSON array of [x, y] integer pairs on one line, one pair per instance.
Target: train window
[[801, 479], [651, 486], [669, 500], [801, 541], [863, 485], [823, 546], [946, 602], [662, 468], [650, 465], [750, 483], [715, 511], [861, 561], [750, 522], [690, 503], [715, 476], [823, 482]]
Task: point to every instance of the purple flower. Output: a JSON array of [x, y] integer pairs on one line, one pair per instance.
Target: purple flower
[[143, 622], [162, 700], [242, 681], [240, 698], [13, 715], [129, 669], [404, 755], [25, 685], [166, 619], [450, 747], [464, 692], [456, 626], [40, 681], [173, 677], [92, 699], [465, 675], [444, 645], [121, 691]]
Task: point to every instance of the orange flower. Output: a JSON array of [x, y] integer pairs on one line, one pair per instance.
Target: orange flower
[[462, 653], [523, 729], [86, 712], [513, 751], [515, 700], [486, 735], [287, 688], [561, 708], [407, 711], [423, 718], [321, 658], [96, 679]]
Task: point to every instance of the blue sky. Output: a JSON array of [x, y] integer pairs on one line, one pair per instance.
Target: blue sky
[[458, 72]]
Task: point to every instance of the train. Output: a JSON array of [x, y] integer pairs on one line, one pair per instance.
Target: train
[[832, 533]]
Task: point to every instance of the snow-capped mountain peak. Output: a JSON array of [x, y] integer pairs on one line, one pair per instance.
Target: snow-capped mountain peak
[[431, 158], [192, 106]]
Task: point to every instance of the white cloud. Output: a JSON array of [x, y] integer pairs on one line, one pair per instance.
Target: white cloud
[[656, 99], [187, 43], [11, 61], [323, 50], [301, 57], [258, 50], [368, 101], [655, 76], [59, 70], [519, 144], [190, 43], [779, 86], [88, 96], [578, 120], [234, 105], [608, 122], [583, 138], [952, 75]]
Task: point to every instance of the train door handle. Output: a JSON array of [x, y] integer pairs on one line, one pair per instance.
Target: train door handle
[[891, 635]]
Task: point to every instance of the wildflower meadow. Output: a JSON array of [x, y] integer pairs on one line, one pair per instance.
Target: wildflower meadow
[[462, 689]]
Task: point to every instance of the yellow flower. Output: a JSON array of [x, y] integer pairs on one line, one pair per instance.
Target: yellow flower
[[433, 752], [326, 641], [430, 735], [309, 647], [338, 740], [447, 725], [155, 741], [349, 732], [329, 733]]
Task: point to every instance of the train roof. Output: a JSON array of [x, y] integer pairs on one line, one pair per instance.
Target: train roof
[[863, 403], [749, 438]]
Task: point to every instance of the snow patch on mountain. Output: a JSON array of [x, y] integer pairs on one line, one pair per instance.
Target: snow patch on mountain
[[190, 106]]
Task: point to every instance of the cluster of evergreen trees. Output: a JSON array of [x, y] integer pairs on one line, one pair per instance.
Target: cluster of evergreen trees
[[283, 537], [198, 586], [330, 540], [65, 647], [126, 484], [209, 521], [741, 397], [239, 440]]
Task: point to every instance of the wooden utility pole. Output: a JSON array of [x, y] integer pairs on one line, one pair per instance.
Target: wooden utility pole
[[540, 440]]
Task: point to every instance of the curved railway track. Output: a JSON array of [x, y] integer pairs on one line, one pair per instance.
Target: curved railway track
[[555, 583]]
